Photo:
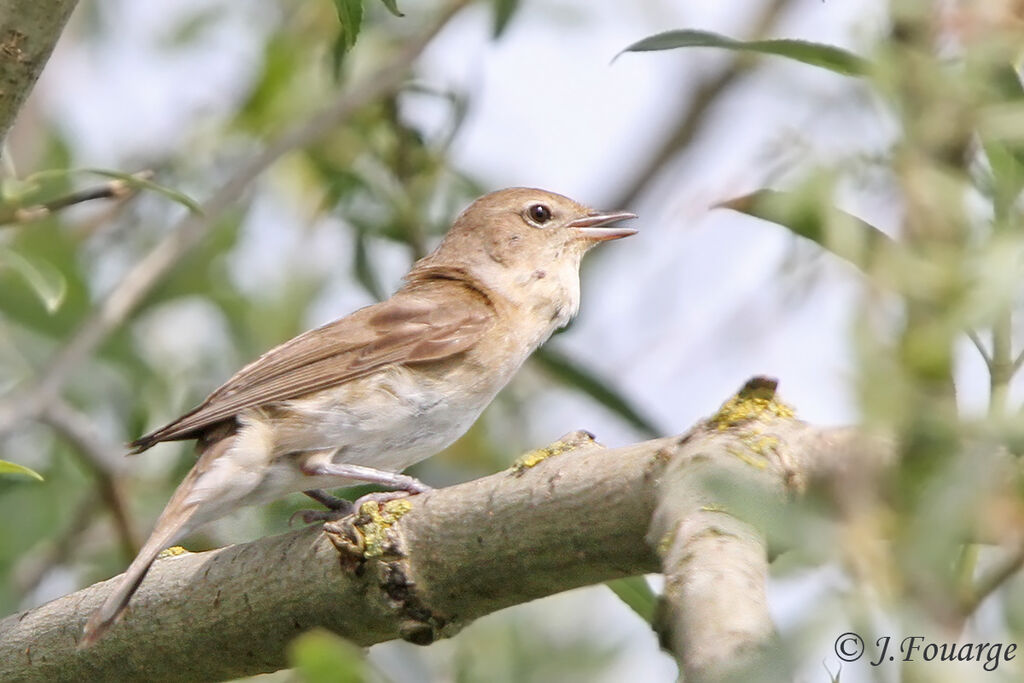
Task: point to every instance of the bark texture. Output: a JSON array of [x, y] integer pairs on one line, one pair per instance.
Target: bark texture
[[696, 507], [456, 554], [29, 29]]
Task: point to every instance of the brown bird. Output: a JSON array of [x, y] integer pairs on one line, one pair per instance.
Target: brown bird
[[364, 397]]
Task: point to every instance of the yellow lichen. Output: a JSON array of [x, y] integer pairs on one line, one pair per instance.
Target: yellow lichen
[[666, 541], [380, 519], [744, 414], [746, 457], [173, 551], [744, 408], [539, 455]]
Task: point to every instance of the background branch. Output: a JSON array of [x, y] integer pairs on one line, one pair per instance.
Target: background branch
[[99, 456], [29, 29], [112, 189]]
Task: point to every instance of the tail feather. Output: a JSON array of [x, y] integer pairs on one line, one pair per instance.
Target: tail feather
[[173, 524], [177, 519]]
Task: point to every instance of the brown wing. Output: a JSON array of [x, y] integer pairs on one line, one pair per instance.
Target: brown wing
[[408, 328]]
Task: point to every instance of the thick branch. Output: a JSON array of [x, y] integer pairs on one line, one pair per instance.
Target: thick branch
[[468, 550], [571, 515], [731, 473], [714, 613], [28, 31]]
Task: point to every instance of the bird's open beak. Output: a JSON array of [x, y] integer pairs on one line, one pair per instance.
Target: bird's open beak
[[592, 226]]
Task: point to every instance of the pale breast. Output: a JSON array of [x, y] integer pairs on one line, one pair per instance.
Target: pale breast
[[389, 420]]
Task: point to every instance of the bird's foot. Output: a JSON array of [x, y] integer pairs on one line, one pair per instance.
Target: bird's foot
[[319, 516], [327, 500], [336, 508], [381, 497]]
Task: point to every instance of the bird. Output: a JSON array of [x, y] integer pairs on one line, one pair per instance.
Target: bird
[[362, 398]]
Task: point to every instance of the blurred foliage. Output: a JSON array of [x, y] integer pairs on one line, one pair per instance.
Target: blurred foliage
[[512, 650], [826, 56], [371, 196], [378, 191], [319, 656], [950, 76], [14, 468], [41, 277], [637, 593], [565, 370], [504, 10]]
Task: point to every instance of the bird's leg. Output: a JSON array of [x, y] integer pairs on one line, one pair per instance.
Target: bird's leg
[[338, 507], [328, 501], [369, 475]]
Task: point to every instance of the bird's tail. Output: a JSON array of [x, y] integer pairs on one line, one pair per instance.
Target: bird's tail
[[177, 519], [168, 529]]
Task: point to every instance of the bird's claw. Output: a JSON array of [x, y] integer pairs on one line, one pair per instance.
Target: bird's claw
[[381, 497], [378, 497], [319, 516]]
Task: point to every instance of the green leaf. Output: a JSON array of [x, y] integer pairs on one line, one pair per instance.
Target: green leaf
[[578, 377], [46, 241], [503, 12], [804, 214], [392, 6], [1007, 166], [637, 594], [42, 277], [816, 54], [350, 18], [319, 656], [14, 468], [146, 184], [1005, 156], [275, 90]]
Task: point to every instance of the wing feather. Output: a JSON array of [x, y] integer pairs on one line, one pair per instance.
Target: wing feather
[[406, 329]]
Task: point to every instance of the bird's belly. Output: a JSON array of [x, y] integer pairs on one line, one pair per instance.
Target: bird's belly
[[387, 421], [395, 434]]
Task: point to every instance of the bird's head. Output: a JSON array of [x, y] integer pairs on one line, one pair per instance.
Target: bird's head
[[526, 245], [523, 227]]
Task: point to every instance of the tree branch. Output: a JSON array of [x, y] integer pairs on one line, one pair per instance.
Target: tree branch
[[113, 189], [993, 579], [458, 554], [569, 515], [29, 29], [714, 613]]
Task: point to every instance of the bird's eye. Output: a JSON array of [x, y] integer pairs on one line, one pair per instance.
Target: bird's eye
[[538, 214]]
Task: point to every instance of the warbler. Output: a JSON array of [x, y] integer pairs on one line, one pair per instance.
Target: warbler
[[366, 396]]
